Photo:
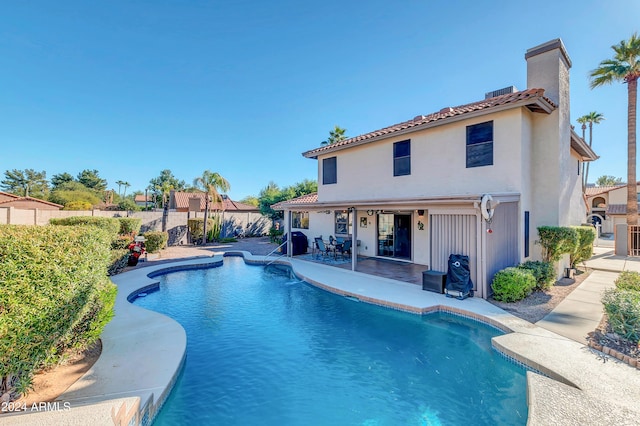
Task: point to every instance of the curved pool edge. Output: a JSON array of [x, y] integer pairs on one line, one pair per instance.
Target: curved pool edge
[[105, 393], [126, 385]]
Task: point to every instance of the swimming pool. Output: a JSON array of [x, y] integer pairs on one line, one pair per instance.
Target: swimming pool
[[264, 348]]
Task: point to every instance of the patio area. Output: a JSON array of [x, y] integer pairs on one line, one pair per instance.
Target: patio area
[[387, 268]]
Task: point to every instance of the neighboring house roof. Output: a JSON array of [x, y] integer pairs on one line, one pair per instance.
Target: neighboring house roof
[[27, 202], [533, 99], [182, 202], [597, 190], [303, 199], [618, 208], [140, 198], [4, 196]]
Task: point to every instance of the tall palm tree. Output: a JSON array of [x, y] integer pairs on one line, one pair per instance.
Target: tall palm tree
[[126, 185], [119, 183], [591, 118], [625, 67], [335, 135], [212, 183]]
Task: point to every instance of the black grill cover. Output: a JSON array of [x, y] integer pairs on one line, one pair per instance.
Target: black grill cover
[[458, 275], [298, 241]]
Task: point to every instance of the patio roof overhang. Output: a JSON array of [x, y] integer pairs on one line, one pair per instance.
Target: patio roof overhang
[[397, 203]]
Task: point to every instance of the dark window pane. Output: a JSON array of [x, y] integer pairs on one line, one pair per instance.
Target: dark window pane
[[329, 171], [402, 166], [401, 149], [480, 155], [479, 133]]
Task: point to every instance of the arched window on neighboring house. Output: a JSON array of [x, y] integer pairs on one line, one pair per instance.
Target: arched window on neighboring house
[[599, 202]]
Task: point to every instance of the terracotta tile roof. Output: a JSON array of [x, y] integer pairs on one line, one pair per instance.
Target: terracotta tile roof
[[140, 198], [597, 190], [618, 208], [303, 199], [182, 202], [6, 195], [534, 99]]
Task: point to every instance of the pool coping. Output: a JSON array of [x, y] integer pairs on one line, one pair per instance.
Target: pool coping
[[125, 387]]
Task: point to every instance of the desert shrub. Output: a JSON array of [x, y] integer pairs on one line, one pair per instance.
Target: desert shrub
[[543, 272], [196, 228], [54, 295], [512, 284], [628, 280], [623, 310], [584, 249], [129, 225], [109, 224], [275, 235], [556, 241], [155, 240]]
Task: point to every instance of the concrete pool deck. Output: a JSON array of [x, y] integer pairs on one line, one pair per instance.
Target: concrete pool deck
[[143, 353]]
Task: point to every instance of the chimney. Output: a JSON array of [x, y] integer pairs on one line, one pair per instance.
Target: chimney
[[548, 68]]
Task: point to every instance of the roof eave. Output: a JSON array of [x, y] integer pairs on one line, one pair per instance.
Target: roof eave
[[581, 147], [538, 104]]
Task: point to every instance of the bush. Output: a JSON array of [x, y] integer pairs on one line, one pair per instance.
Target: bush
[[543, 272], [121, 242], [129, 225], [512, 284], [556, 241], [628, 280], [78, 205], [109, 224], [196, 227], [584, 249], [276, 235], [623, 310], [155, 240], [55, 295], [118, 261]]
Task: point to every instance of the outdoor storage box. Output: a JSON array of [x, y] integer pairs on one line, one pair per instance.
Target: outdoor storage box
[[434, 281]]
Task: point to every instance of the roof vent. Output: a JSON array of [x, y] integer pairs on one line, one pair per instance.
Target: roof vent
[[418, 118], [500, 92], [446, 110]]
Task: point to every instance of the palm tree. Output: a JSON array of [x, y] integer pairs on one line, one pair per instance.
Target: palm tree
[[119, 183], [591, 118], [211, 183], [335, 135], [625, 67], [126, 185]]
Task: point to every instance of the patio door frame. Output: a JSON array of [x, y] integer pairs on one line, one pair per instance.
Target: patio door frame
[[399, 243]]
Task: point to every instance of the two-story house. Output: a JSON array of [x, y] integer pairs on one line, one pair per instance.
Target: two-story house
[[475, 179]]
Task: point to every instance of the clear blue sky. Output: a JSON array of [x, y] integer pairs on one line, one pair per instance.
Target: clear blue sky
[[244, 87]]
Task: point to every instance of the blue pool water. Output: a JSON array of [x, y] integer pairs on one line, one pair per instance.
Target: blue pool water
[[266, 349]]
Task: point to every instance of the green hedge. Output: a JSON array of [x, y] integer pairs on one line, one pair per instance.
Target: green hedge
[[54, 295], [584, 249], [155, 241], [543, 272], [129, 225], [512, 284], [109, 224], [556, 241]]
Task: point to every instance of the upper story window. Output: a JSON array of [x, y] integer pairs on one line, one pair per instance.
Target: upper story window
[[402, 158], [329, 171], [480, 144]]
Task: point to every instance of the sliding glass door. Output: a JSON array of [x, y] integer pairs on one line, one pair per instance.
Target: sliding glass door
[[394, 235]]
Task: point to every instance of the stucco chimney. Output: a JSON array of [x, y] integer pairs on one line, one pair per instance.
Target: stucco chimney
[[548, 68]]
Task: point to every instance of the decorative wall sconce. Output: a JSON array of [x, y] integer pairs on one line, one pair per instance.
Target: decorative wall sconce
[[370, 212], [421, 213]]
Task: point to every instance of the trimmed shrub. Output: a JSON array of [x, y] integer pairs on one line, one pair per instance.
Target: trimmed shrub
[[155, 240], [556, 241], [118, 260], [623, 310], [628, 280], [78, 205], [54, 295], [543, 272], [512, 284], [121, 242], [129, 225], [109, 224], [584, 249]]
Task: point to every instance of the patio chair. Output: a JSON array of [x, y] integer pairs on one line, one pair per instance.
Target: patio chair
[[332, 240], [321, 247], [343, 248]]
